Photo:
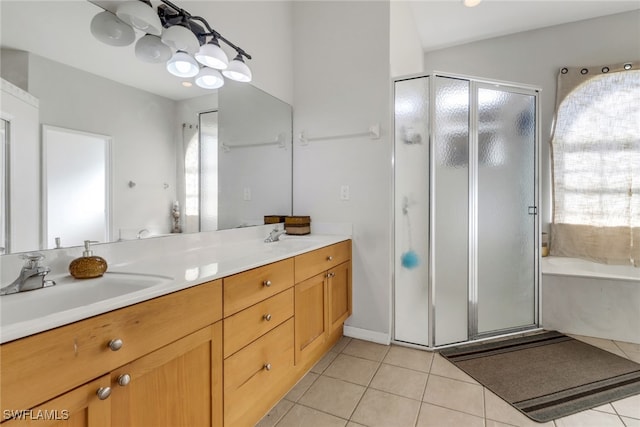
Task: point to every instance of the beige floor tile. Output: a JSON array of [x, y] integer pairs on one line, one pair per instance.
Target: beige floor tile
[[493, 423], [436, 416], [275, 414], [633, 355], [411, 358], [352, 369], [628, 346], [602, 343], [605, 408], [303, 385], [455, 394], [499, 410], [341, 344], [352, 424], [630, 422], [444, 368], [366, 350], [323, 363], [590, 419], [334, 396], [382, 409], [629, 407], [402, 381], [302, 416]]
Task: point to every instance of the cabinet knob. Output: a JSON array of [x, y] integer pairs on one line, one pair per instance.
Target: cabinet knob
[[103, 393], [267, 283], [124, 380], [267, 317], [115, 344], [330, 275], [329, 258], [267, 366]]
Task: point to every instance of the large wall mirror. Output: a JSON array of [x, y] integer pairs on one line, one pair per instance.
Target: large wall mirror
[[222, 157]]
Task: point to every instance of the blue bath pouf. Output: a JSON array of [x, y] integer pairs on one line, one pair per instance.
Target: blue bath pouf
[[410, 259]]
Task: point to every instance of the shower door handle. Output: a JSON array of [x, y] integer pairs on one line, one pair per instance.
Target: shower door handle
[[533, 210]]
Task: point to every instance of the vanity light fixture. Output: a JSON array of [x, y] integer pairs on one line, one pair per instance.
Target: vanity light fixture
[[182, 64], [109, 29], [149, 48], [140, 15], [174, 36], [238, 70], [208, 78], [471, 3]]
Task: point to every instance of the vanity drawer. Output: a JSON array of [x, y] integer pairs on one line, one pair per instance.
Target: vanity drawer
[[253, 322], [315, 262], [36, 368], [256, 376], [247, 288]]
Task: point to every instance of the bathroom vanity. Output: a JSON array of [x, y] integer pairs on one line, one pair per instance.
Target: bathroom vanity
[[219, 352]]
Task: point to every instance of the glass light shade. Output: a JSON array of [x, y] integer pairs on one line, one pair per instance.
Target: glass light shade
[[141, 16], [471, 3], [107, 28], [149, 48], [182, 64], [211, 55], [180, 38], [238, 71], [208, 78]]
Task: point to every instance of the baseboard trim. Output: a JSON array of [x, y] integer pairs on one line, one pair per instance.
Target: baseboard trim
[[367, 335]]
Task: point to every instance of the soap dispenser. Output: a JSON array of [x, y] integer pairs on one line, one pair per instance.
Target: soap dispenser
[[88, 266]]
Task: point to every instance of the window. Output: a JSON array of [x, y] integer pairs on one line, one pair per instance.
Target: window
[[596, 165]]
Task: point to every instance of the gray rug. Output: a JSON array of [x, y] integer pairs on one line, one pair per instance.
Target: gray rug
[[548, 375]]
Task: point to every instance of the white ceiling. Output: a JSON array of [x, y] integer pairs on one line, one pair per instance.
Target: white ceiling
[[445, 23], [35, 26]]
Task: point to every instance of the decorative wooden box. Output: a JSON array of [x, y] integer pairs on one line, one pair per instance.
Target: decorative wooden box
[[274, 219], [297, 225]]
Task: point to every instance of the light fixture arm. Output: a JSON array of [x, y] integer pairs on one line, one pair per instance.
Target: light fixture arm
[[212, 33]]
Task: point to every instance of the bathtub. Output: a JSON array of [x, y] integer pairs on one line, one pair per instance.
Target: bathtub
[[587, 298]]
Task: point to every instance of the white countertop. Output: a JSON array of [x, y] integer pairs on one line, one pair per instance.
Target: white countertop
[[28, 313]]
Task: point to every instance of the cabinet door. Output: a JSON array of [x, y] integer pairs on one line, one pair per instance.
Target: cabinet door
[[339, 294], [311, 318], [177, 385], [79, 407]]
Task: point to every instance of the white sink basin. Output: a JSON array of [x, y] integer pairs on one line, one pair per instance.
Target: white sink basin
[[70, 293]]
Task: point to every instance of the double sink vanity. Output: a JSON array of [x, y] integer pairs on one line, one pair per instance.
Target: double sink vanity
[[191, 333]]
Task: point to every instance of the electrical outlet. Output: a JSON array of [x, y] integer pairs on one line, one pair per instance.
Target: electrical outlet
[[344, 192], [247, 194]]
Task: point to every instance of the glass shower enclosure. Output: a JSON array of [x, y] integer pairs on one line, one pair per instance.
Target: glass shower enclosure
[[466, 200]]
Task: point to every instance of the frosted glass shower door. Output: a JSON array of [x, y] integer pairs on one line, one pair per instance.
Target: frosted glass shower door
[[411, 156], [506, 199]]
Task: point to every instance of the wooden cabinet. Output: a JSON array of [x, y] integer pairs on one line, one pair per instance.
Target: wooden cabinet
[[61, 361], [258, 341], [79, 407], [221, 353], [322, 301], [177, 385]]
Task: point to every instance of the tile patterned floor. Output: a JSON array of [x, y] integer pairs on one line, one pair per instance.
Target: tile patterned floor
[[359, 383]]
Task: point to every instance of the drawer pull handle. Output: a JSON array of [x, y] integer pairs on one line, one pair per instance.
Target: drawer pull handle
[[267, 317], [267, 283], [103, 393], [115, 344], [124, 380], [267, 366], [329, 258]]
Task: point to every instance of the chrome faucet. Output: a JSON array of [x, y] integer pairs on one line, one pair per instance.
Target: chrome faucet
[[275, 234], [31, 276]]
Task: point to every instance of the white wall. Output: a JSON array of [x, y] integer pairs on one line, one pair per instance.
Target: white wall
[[141, 125], [264, 29], [535, 57], [406, 55], [342, 86]]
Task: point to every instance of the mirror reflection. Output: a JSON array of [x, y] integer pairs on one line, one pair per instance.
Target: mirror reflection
[[222, 158]]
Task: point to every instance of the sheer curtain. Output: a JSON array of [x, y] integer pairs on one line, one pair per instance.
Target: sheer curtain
[[596, 164]]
